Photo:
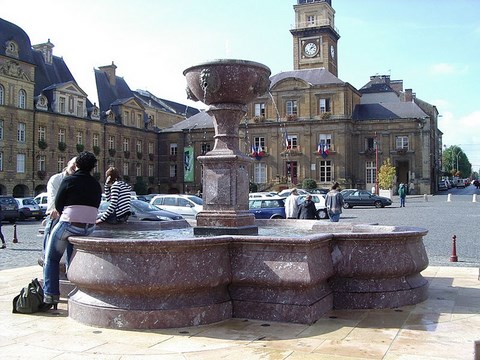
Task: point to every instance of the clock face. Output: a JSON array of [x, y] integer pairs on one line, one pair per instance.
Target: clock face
[[332, 51], [310, 49]]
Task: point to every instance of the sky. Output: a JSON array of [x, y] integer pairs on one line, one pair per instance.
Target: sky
[[432, 45]]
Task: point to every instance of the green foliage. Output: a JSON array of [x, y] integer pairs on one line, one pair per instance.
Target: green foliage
[[253, 187], [80, 148], [309, 184], [96, 150], [140, 187], [62, 146], [386, 175]]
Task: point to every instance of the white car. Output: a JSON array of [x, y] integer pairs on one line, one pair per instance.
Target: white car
[[319, 200], [186, 205], [262, 194], [42, 201]]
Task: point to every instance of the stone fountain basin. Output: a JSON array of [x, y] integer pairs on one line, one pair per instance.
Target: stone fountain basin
[[154, 283]]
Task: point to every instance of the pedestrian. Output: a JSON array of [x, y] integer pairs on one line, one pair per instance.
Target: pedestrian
[[4, 244], [307, 209], [52, 188], [402, 192], [334, 202], [291, 204], [77, 202], [119, 196]]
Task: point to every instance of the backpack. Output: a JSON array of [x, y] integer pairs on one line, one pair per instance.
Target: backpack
[[30, 299]]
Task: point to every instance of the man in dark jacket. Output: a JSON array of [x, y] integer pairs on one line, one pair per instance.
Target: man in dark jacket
[[307, 209], [77, 202]]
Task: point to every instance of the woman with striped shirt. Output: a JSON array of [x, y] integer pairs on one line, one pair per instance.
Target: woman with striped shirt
[[118, 194]]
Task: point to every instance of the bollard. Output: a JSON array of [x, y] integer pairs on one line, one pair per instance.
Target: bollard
[[425, 197], [474, 198], [15, 240], [449, 197], [454, 257]]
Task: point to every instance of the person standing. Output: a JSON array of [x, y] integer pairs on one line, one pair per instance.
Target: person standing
[[334, 203], [307, 209], [291, 205], [402, 192], [77, 202], [52, 188], [118, 193], [4, 244]]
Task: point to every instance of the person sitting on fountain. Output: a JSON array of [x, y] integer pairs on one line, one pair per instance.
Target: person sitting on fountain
[[77, 202], [118, 194]]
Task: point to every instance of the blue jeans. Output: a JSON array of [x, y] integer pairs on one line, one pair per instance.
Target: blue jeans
[[55, 247], [334, 217], [49, 225], [402, 202]]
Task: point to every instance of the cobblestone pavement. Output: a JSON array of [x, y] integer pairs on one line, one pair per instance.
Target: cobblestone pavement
[[442, 218]]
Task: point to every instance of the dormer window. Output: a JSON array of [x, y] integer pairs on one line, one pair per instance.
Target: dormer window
[[11, 49]]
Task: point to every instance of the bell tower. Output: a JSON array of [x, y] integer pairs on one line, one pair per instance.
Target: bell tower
[[315, 36]]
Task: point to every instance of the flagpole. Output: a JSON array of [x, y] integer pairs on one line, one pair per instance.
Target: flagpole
[[376, 164]]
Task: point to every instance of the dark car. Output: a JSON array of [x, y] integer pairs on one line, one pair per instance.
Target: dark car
[[267, 207], [142, 211], [28, 208], [9, 208], [365, 198]]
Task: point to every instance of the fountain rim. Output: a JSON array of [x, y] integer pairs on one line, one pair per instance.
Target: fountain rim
[[232, 62]]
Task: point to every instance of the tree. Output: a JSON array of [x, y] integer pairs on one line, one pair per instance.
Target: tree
[[452, 156], [386, 175], [309, 184]]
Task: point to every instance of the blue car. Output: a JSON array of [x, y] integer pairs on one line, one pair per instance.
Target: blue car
[[267, 207]]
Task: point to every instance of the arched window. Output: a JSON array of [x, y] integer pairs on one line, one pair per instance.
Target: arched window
[[22, 99], [2, 95]]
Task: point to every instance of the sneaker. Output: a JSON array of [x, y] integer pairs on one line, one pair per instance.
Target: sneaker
[[4, 246]]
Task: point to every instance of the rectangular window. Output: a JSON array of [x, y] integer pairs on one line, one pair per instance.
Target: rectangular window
[[139, 146], [291, 107], [173, 170], [139, 169], [371, 172], [401, 142], [80, 108], [310, 19], [61, 135], [42, 131], [293, 142], [125, 168], [71, 102], [150, 148], [20, 163], [260, 109], [325, 171], [260, 173], [173, 149], [205, 148], [61, 105], [150, 170], [140, 121], [370, 144], [95, 139], [126, 144], [132, 118], [126, 116], [41, 163], [60, 163], [1, 129], [80, 137], [111, 142], [324, 105], [1, 160], [21, 132], [325, 139]]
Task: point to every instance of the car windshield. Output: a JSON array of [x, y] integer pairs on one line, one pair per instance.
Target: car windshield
[[196, 200], [29, 202], [140, 205]]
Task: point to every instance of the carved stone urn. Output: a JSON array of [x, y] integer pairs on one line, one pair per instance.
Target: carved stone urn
[[227, 86]]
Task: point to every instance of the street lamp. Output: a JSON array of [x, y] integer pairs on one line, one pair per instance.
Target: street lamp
[[458, 154], [376, 163]]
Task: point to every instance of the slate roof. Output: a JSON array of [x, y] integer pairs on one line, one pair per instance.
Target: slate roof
[[47, 75], [108, 94], [201, 120], [12, 32], [317, 76], [165, 105], [389, 110]]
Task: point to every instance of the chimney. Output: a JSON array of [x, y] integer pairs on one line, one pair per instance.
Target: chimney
[[109, 70], [47, 51], [408, 95]]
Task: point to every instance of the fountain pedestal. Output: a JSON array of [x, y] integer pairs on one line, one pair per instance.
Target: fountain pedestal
[[227, 86]]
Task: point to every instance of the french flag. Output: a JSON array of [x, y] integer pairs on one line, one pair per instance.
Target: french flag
[[287, 145], [254, 151], [260, 151]]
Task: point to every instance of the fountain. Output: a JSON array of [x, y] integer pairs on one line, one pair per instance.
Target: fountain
[[143, 283]]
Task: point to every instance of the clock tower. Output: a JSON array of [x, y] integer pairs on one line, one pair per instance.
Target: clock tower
[[315, 36]]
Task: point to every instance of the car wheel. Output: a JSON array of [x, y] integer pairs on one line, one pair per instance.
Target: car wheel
[[322, 214], [347, 206], [276, 217], [378, 204], [39, 218]]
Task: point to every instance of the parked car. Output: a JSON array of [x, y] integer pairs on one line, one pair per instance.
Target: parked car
[[267, 207], [146, 198], [287, 192], [319, 201], [142, 211], [28, 208], [42, 201], [442, 185], [186, 205], [9, 208], [365, 198], [260, 194], [345, 192], [319, 191]]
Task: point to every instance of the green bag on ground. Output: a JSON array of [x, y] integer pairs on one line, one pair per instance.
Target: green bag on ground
[[30, 299]]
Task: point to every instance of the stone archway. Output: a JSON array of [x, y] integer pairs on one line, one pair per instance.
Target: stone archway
[[20, 191]]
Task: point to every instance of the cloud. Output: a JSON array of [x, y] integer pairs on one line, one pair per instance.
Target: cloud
[[448, 69]]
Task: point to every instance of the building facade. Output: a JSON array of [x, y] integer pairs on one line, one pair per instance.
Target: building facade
[[313, 125]]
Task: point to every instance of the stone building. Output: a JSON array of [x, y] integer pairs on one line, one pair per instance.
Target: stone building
[[313, 125], [46, 119]]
